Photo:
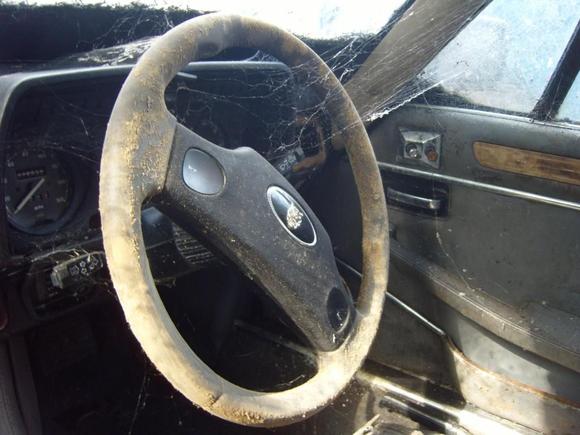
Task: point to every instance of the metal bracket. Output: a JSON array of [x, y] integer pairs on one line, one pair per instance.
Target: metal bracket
[[423, 147]]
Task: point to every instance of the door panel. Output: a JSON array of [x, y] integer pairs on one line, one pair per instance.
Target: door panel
[[504, 255]]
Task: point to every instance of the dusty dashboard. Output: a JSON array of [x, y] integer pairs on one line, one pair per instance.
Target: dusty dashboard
[[55, 132], [51, 136]]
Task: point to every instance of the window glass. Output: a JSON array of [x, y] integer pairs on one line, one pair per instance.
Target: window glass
[[504, 59], [570, 108], [320, 19]]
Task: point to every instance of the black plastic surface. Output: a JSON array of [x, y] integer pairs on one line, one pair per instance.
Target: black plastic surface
[[240, 223]]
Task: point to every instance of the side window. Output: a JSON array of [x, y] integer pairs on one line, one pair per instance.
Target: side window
[[504, 59], [570, 108]]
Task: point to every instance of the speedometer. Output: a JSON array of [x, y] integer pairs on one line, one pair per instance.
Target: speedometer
[[38, 190]]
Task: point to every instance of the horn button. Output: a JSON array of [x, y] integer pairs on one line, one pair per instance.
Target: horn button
[[202, 172]]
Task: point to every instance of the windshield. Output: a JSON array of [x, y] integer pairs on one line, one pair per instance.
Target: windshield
[[343, 33], [318, 19]]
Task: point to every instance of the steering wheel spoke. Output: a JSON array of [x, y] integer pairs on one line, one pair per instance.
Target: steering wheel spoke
[[244, 208]]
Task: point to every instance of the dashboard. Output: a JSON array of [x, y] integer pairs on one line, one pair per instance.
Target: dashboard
[[51, 134], [53, 139]]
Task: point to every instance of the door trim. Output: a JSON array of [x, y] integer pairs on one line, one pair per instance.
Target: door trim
[[525, 162], [505, 191]]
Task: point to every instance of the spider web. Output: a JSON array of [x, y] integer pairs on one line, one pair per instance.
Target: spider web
[[71, 123]]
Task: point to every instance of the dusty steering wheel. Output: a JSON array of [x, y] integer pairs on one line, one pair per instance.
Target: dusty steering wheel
[[236, 201]]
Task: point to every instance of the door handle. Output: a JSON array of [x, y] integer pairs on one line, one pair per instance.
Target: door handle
[[410, 200]]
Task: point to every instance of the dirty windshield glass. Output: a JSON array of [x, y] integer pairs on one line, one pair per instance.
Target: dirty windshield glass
[[320, 19]]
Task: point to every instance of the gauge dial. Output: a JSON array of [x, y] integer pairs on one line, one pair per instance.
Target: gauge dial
[[38, 190]]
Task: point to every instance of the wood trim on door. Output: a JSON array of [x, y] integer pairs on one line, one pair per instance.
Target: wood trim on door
[[526, 162]]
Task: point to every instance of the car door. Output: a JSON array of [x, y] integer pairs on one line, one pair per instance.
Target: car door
[[482, 177]]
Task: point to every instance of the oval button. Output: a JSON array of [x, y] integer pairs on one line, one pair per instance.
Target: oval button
[[202, 172], [291, 215]]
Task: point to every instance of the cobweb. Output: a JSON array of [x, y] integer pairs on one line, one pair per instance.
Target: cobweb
[[71, 121]]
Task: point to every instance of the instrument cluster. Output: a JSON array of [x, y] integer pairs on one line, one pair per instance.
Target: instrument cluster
[[54, 139]]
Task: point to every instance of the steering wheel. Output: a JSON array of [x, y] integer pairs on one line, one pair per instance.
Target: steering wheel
[[236, 201]]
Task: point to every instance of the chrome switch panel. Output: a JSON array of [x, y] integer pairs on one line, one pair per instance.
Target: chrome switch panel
[[423, 147]]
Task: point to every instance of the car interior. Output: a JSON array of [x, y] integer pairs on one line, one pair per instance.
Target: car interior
[[215, 224]]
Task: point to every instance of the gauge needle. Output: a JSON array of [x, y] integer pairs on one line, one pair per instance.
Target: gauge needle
[[29, 195]]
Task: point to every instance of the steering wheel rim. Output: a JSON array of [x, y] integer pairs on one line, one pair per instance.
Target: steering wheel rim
[[134, 168]]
